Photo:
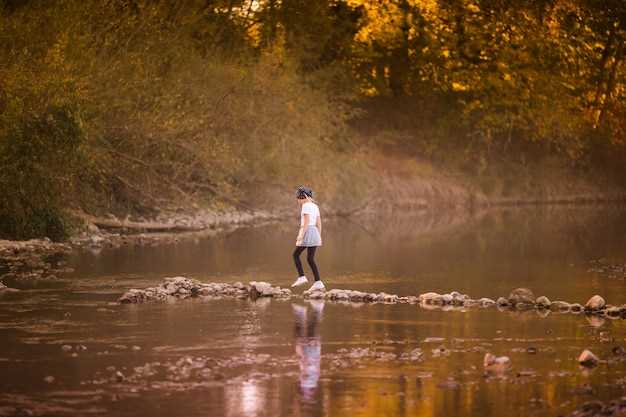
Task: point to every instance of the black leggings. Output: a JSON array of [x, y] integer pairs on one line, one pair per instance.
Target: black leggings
[[310, 257]]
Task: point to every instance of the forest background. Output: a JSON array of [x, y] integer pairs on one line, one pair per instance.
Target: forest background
[[133, 106]]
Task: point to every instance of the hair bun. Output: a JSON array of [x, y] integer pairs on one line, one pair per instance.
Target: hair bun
[[302, 192]]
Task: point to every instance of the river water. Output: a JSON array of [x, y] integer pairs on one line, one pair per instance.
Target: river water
[[66, 347]]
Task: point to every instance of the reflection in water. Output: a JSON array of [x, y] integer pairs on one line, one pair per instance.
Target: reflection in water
[[308, 346], [246, 346], [246, 399]]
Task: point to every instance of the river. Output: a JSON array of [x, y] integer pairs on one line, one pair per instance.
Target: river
[[69, 349]]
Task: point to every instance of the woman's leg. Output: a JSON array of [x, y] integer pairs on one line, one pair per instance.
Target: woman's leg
[[296, 260], [310, 257]]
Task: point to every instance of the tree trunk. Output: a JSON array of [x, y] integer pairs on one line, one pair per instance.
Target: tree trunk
[[399, 59]]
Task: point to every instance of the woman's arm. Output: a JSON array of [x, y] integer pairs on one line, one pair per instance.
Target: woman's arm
[[305, 221], [318, 223]]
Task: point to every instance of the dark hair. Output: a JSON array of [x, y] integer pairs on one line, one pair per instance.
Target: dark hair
[[303, 192]]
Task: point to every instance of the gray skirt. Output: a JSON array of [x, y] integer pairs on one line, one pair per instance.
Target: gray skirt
[[311, 237]]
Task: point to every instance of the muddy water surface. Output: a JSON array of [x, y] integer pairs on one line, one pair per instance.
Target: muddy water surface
[[68, 349]]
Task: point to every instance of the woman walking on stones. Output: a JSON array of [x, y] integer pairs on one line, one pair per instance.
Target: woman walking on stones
[[309, 237]]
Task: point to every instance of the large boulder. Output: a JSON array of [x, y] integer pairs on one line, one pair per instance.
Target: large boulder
[[595, 303], [521, 296]]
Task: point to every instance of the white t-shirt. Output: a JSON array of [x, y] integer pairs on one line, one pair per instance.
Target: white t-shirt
[[312, 210]]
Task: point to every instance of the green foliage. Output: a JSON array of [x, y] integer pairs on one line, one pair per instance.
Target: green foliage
[[193, 101], [38, 155]]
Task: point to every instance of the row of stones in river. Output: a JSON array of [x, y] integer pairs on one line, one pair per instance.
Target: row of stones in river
[[520, 298]]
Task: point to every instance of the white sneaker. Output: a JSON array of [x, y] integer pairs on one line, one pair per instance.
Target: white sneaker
[[317, 285], [300, 281]]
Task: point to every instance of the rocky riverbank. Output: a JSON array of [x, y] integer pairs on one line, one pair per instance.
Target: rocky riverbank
[[519, 299], [32, 259], [167, 227]]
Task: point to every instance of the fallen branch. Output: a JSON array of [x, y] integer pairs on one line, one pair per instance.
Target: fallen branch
[[149, 227]]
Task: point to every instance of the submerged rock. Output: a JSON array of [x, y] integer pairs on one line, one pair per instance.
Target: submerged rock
[[587, 358], [598, 409], [595, 303], [496, 364], [521, 296]]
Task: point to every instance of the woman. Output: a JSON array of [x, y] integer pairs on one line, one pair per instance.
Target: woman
[[309, 237]]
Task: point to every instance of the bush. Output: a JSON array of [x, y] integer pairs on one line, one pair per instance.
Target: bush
[[38, 155]]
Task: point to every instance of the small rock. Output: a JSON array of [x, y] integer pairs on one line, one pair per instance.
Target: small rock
[[542, 302], [447, 298], [521, 295], [495, 363], [595, 303], [587, 358], [119, 377], [430, 298], [576, 308], [49, 379], [613, 311], [414, 355], [66, 348], [471, 303], [486, 302], [502, 302], [560, 306]]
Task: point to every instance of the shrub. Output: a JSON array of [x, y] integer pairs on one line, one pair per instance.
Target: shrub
[[38, 154]]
